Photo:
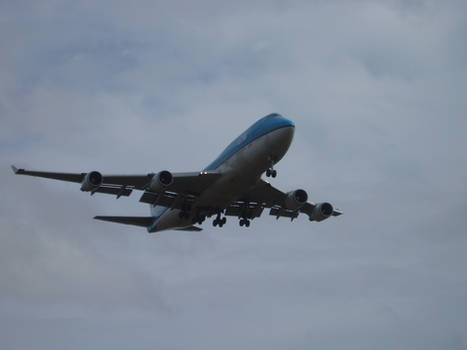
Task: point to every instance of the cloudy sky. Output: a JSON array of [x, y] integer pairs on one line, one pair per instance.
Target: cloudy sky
[[377, 91]]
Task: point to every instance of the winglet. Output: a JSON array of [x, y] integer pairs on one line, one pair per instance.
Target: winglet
[[15, 169]]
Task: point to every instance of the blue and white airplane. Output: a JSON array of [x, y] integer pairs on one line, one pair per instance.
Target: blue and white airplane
[[229, 186]]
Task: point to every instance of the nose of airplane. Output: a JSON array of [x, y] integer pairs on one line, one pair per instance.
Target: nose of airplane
[[288, 128], [281, 140], [282, 122], [286, 134]]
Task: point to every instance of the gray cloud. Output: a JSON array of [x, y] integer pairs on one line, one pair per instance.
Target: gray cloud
[[377, 94]]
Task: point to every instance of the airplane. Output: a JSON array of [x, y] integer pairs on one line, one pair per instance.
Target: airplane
[[230, 186]]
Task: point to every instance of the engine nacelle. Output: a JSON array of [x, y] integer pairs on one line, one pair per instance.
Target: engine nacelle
[[321, 212], [92, 181], [161, 180], [296, 199]]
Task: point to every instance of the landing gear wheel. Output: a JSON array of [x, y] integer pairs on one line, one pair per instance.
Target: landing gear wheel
[[214, 223], [224, 220], [244, 222], [271, 172]]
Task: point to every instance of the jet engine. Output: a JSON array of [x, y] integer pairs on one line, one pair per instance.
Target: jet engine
[[321, 211], [161, 180], [296, 199], [92, 181]]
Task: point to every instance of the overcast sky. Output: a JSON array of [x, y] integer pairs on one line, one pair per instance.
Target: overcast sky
[[378, 93]]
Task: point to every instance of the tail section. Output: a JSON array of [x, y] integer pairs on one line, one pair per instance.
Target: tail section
[[143, 221]]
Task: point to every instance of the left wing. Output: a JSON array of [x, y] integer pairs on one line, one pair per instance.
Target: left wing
[[264, 195]]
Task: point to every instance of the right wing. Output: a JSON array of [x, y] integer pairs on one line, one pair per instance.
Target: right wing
[[186, 184], [264, 195]]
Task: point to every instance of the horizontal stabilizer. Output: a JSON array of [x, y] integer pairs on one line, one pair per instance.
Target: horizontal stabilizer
[[190, 228], [144, 221]]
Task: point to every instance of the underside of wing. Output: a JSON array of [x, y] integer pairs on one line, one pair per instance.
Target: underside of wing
[[185, 184], [182, 191], [95, 182], [71, 177], [282, 204], [266, 194]]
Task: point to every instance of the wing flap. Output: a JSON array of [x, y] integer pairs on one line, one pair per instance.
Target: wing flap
[[245, 210], [279, 211], [144, 221], [167, 199], [117, 191]]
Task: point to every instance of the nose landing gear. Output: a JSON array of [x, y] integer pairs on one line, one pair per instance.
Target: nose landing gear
[[270, 171]]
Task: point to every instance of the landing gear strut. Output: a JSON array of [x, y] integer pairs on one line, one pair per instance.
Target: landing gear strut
[[270, 171], [244, 222], [218, 221]]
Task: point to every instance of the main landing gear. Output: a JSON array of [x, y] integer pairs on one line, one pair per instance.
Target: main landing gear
[[244, 222], [218, 221]]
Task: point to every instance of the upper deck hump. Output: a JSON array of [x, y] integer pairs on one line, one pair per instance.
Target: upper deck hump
[[263, 126]]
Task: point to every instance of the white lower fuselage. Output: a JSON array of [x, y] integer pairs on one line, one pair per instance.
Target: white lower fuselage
[[239, 172]]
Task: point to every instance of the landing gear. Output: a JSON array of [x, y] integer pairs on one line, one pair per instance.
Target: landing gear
[[270, 171], [244, 222], [218, 221]]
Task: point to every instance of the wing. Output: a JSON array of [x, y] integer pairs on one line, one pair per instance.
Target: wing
[[264, 195], [191, 184]]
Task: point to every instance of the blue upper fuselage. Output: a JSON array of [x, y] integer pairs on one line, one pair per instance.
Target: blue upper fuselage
[[262, 127]]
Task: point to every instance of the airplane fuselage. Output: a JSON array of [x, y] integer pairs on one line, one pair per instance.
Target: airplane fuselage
[[241, 164]]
